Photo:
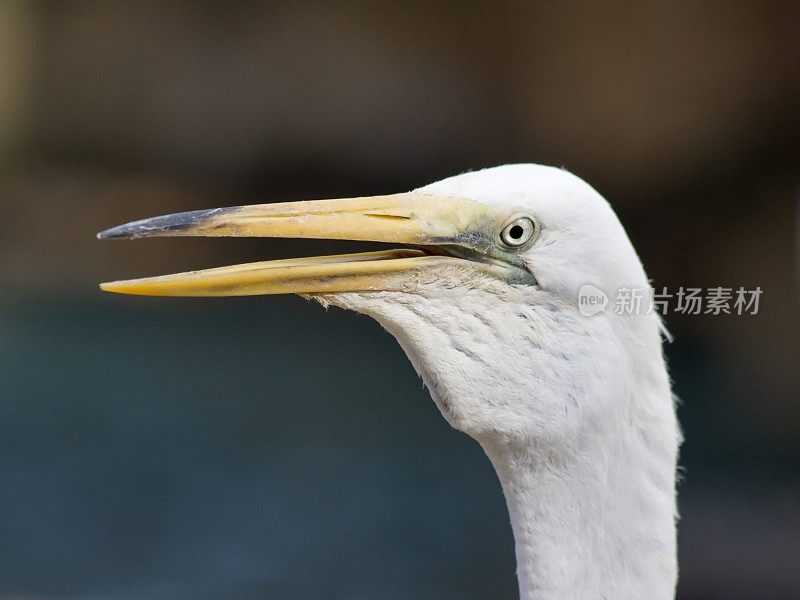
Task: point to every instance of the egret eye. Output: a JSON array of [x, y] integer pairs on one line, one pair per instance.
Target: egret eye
[[518, 232]]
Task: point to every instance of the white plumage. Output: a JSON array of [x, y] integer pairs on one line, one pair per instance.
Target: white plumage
[[575, 412]]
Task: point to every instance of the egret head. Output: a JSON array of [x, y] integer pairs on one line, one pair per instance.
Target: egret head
[[483, 299]]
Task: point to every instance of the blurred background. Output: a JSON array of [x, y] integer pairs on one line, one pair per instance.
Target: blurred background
[[265, 448]]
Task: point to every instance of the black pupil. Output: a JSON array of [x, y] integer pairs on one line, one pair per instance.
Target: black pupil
[[516, 232]]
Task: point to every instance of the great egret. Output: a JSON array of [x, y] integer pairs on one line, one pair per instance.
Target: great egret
[[574, 411]]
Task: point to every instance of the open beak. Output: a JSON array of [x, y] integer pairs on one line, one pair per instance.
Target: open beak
[[443, 232]]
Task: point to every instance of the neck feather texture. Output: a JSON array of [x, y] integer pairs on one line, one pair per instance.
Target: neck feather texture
[[590, 526], [577, 418]]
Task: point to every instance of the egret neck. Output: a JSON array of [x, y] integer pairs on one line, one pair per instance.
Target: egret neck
[[587, 468], [581, 529]]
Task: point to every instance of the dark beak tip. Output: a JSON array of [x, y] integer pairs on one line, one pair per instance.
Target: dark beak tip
[[164, 225], [119, 232]]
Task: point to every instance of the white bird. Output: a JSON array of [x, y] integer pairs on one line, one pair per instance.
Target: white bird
[[575, 412]]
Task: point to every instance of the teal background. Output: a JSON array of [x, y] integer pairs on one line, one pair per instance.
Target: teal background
[[265, 447]]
